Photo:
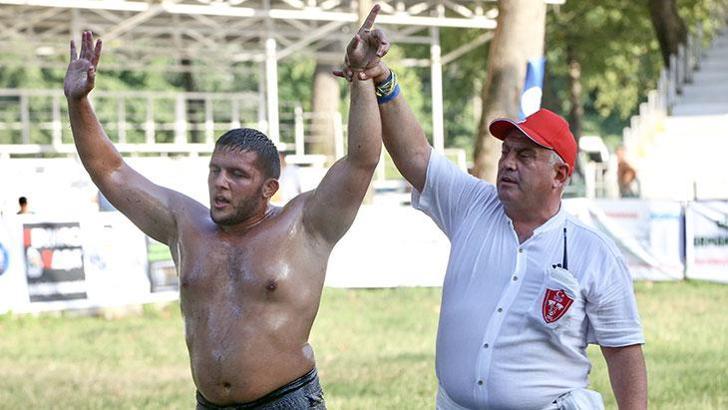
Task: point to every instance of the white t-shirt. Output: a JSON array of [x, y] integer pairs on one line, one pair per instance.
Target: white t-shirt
[[513, 329]]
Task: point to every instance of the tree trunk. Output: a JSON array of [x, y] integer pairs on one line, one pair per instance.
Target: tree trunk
[[518, 38], [576, 110], [325, 103], [669, 27], [195, 108]]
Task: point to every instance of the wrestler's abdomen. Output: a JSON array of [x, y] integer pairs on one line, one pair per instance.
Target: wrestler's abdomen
[[241, 356], [247, 329]]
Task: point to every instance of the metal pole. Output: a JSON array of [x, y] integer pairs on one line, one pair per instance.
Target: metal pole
[[299, 130], [234, 113], [438, 134], [180, 124], [57, 128], [149, 127], [262, 99], [121, 120], [25, 118], [271, 77], [338, 134], [209, 121]]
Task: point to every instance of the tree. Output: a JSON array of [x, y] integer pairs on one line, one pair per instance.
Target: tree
[[669, 27], [599, 64], [325, 102], [325, 98], [518, 38]]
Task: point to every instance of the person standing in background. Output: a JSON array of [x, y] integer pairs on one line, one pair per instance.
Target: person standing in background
[[23, 204]]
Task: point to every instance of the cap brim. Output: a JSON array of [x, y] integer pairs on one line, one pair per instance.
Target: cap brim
[[501, 127]]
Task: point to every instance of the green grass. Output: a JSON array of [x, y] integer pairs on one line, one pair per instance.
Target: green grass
[[375, 350]]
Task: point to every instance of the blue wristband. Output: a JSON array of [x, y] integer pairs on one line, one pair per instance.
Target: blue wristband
[[389, 97]]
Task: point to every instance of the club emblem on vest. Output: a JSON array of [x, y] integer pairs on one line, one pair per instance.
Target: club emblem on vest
[[555, 304]]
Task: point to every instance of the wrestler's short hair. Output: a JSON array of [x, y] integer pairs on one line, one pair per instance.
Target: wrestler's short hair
[[248, 139]]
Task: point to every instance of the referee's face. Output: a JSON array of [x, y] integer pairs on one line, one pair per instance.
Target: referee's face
[[525, 174]]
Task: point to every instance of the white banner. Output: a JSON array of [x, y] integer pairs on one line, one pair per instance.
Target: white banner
[[50, 263], [389, 246], [649, 233], [115, 258], [707, 245], [13, 287]]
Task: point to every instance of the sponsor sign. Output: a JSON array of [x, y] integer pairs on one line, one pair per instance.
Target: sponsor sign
[[4, 259], [707, 247], [649, 234], [54, 265]]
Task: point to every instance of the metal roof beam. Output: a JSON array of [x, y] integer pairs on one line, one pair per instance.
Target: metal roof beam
[[119, 5], [307, 13], [313, 36], [466, 48], [132, 22]]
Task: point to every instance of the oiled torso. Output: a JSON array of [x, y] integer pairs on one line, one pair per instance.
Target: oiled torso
[[249, 301]]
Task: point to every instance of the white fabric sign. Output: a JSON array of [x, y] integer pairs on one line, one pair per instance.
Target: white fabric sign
[[649, 233], [13, 286], [707, 240]]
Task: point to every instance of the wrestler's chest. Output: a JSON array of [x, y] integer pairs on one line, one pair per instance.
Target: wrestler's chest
[[225, 271]]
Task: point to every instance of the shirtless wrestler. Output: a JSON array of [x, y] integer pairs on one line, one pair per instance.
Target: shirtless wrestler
[[251, 274]]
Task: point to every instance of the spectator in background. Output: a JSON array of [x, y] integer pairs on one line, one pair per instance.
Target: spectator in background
[[23, 203], [629, 186]]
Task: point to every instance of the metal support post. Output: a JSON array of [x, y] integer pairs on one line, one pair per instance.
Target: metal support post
[[57, 129], [271, 77], [438, 134]]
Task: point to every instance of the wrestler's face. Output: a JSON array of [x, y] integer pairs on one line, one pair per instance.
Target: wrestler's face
[[238, 187], [525, 173]]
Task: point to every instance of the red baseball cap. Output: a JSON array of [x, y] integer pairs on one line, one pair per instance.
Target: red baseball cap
[[546, 129]]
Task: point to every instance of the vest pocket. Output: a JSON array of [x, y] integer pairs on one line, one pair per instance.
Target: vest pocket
[[558, 302]]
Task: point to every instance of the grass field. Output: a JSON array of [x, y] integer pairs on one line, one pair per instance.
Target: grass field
[[375, 350]]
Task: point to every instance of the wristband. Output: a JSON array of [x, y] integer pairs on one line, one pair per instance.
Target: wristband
[[388, 89], [389, 97]]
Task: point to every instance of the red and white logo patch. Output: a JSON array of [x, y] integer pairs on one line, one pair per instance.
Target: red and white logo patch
[[555, 304]]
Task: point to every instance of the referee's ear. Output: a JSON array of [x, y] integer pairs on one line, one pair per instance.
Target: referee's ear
[[561, 175]]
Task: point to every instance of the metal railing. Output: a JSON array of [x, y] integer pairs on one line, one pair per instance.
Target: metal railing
[[36, 121], [670, 86]]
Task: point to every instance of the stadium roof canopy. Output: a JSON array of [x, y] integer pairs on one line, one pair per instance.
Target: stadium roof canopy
[[228, 34]]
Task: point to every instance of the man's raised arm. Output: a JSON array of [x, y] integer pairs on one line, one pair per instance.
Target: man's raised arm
[[146, 204], [331, 209], [402, 134]]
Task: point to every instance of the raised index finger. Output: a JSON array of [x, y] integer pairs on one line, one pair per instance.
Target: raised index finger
[[369, 21]]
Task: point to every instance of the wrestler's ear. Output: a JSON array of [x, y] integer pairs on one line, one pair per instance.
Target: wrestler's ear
[[270, 187]]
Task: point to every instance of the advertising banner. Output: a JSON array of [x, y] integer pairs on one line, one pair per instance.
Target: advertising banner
[[115, 258], [13, 287], [648, 233], [54, 261], [707, 247]]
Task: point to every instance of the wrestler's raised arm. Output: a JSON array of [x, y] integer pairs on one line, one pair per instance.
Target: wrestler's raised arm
[[331, 209], [152, 208], [402, 134]]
